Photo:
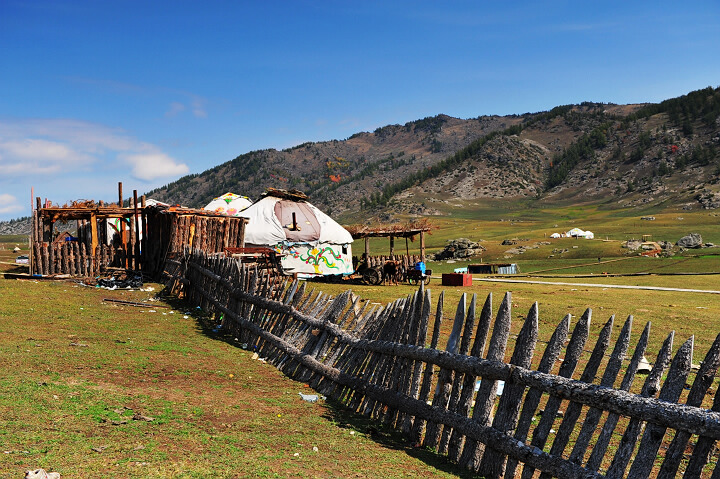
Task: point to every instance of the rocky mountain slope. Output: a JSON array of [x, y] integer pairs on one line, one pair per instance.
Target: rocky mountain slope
[[626, 154], [338, 175]]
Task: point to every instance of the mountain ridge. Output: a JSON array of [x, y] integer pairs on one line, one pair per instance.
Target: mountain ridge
[[631, 155]]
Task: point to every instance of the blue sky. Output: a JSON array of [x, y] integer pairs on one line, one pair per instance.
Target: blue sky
[[143, 92]]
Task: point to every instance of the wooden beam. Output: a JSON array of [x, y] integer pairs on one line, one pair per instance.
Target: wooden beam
[[136, 217], [93, 235]]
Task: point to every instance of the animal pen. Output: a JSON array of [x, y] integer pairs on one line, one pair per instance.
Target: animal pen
[[139, 237], [387, 363]]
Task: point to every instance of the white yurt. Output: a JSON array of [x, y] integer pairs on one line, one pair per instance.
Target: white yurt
[[308, 240], [228, 204], [578, 233]]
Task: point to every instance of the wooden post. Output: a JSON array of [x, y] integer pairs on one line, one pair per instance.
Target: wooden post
[[241, 239], [422, 246], [120, 198], [392, 247], [136, 214], [124, 239], [93, 240], [367, 247], [144, 230]]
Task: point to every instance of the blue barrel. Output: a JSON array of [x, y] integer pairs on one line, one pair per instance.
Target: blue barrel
[[420, 266]]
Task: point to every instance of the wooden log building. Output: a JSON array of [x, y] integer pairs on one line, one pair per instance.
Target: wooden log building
[[146, 237]]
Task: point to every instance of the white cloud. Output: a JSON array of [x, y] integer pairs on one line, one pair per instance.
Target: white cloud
[[39, 147], [198, 108], [175, 109], [153, 165], [196, 105], [9, 204]]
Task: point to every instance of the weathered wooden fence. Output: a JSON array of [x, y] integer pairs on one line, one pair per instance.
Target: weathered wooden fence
[[384, 362]]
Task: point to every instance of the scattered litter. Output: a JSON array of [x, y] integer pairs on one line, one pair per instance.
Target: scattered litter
[[309, 397], [315, 449], [644, 366], [352, 433], [500, 386], [297, 454], [255, 356], [120, 281]]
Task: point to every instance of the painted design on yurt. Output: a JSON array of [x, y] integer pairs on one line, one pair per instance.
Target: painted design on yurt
[[228, 204]]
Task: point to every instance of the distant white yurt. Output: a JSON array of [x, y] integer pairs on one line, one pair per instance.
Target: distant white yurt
[[308, 240], [555, 235], [228, 204], [578, 233]]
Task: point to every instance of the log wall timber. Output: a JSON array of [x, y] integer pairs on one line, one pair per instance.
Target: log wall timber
[[148, 235], [376, 362]]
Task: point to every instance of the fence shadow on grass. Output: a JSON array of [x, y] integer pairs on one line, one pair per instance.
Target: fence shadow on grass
[[387, 437], [384, 362]]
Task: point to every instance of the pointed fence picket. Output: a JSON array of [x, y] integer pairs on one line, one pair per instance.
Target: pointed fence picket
[[376, 361]]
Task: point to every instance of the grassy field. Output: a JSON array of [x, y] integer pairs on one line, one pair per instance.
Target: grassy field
[[95, 389], [82, 376]]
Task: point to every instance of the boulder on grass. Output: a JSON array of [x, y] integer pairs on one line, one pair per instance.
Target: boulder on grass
[[693, 240]]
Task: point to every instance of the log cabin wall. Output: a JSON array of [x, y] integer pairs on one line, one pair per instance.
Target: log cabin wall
[[387, 363], [146, 238]]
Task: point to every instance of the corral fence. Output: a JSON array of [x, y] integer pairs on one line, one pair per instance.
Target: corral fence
[[385, 362], [140, 237]]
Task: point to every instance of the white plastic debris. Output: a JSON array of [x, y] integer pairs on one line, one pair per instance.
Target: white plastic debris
[[644, 367], [309, 397]]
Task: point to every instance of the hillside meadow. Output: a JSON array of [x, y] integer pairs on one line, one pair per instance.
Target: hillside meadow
[[94, 387]]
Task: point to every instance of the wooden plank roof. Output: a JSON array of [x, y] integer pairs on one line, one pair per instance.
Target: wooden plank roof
[[396, 230]]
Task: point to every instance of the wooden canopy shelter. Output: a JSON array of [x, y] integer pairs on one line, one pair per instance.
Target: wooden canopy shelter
[[400, 230]]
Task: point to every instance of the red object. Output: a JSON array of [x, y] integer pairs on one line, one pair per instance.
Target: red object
[[456, 279]]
